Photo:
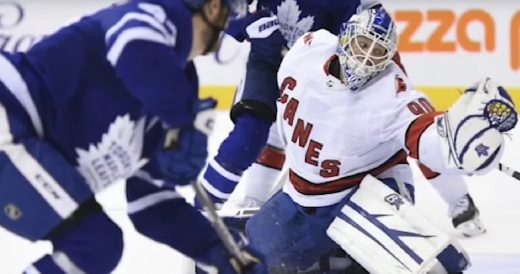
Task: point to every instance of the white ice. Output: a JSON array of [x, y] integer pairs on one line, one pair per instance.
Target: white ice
[[496, 194]]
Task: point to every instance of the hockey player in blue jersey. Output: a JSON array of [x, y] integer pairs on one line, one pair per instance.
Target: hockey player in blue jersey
[[113, 96], [254, 109]]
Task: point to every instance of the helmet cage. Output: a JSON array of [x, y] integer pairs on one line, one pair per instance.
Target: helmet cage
[[367, 43]]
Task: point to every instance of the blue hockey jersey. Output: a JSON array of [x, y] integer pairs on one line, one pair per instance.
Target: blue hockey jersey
[[297, 17], [99, 76]]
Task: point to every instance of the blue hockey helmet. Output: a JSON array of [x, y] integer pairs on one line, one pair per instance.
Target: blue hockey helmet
[[367, 44], [237, 8]]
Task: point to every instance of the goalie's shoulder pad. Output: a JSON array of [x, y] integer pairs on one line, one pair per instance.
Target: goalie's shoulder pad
[[313, 43], [311, 50], [315, 39]]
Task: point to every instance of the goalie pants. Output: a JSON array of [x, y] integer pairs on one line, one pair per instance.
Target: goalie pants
[[292, 236]]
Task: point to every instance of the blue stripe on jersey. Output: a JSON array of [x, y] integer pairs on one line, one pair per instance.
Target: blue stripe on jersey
[[149, 23]]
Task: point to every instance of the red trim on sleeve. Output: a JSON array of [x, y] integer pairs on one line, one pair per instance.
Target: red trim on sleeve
[[308, 188], [428, 173], [416, 129], [271, 157], [397, 61]]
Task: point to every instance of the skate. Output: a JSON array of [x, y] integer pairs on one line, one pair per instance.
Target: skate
[[465, 217]]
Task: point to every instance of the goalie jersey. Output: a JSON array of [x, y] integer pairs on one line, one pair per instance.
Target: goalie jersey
[[335, 136]]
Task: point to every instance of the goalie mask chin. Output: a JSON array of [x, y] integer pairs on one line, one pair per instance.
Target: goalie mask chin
[[367, 44]]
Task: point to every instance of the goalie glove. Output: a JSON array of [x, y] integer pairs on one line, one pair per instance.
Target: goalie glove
[[471, 130]]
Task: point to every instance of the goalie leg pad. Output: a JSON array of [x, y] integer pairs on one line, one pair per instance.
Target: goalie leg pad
[[376, 222]]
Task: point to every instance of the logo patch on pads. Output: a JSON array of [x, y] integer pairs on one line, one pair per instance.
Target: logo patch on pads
[[394, 200], [12, 211]]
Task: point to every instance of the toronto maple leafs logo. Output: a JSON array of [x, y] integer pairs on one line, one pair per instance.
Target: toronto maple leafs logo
[[116, 157], [482, 150], [291, 25]]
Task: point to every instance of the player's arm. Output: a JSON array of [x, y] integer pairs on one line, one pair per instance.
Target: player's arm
[[468, 137], [255, 110], [149, 56], [161, 214]]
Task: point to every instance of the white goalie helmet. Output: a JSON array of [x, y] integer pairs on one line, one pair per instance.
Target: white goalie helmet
[[367, 44]]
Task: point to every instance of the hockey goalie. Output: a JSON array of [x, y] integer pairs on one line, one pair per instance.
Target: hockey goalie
[[349, 118]]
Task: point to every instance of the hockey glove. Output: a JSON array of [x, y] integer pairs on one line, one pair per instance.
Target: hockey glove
[[262, 30], [186, 149], [472, 129]]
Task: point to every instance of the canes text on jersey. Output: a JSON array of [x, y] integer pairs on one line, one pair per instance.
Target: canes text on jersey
[[302, 130]]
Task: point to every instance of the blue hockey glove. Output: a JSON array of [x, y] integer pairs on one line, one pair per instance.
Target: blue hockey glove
[[218, 260], [262, 30], [186, 149]]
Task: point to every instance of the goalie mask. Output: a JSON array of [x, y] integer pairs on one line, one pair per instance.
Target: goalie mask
[[367, 44]]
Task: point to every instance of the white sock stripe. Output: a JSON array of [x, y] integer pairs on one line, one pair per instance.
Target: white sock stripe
[[17, 86], [222, 171], [213, 191], [133, 34], [65, 263], [31, 270], [152, 199], [145, 176], [50, 190]]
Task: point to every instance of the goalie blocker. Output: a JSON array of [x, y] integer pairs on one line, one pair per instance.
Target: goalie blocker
[[376, 222]]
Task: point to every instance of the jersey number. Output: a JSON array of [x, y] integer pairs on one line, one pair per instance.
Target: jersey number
[[421, 106]]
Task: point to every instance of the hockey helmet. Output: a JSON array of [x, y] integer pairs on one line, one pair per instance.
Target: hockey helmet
[[367, 44]]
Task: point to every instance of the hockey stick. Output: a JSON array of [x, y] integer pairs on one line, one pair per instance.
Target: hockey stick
[[509, 171], [248, 212], [244, 261]]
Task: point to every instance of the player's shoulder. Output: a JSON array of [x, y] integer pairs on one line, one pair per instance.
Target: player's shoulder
[[393, 85], [154, 12], [311, 50], [316, 40], [313, 44]]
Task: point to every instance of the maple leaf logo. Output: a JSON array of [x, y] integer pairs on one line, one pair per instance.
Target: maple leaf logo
[[291, 25], [117, 156]]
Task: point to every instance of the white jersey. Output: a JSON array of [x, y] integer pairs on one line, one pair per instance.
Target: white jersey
[[334, 136]]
